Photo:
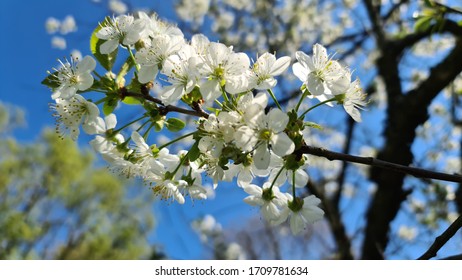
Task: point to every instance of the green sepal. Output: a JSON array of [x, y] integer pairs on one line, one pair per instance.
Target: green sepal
[[174, 124], [134, 86], [193, 96], [106, 60], [50, 81]]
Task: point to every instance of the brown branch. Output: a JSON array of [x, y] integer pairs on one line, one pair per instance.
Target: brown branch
[[442, 239], [416, 172], [165, 109]]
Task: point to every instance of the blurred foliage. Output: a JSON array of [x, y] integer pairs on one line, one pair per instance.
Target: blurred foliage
[[55, 204]]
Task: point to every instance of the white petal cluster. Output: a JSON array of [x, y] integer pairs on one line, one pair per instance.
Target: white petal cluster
[[238, 137], [123, 29], [73, 76], [73, 112], [325, 79]]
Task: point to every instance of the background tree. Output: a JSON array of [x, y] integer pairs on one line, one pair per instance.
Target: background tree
[[55, 204]]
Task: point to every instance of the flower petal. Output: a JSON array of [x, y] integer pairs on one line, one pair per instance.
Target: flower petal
[[277, 120], [280, 66], [281, 144], [261, 158], [147, 73]]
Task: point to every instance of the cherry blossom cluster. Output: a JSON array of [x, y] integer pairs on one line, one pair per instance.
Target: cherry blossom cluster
[[238, 135]]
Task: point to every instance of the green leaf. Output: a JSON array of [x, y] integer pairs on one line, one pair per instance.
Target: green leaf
[[109, 106], [314, 125], [50, 81], [130, 100], [194, 151], [174, 124], [106, 60]]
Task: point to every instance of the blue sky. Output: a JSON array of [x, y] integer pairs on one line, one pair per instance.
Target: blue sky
[[27, 55]]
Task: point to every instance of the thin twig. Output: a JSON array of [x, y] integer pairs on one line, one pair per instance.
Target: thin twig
[[165, 109], [442, 239], [416, 172]]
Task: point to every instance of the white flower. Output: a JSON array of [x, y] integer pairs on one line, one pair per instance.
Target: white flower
[[152, 58], [123, 29], [224, 68], [245, 173], [73, 76], [170, 189], [354, 99], [264, 132], [271, 202], [152, 166], [71, 113], [182, 74], [266, 67], [323, 77], [309, 213], [194, 187], [154, 27], [106, 140]]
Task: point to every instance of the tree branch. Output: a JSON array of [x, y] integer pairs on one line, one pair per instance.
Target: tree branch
[[165, 109], [416, 172], [442, 239]]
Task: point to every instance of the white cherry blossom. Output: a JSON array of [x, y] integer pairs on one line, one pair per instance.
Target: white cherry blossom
[[71, 113], [123, 29], [322, 76], [73, 76], [152, 58], [224, 68], [266, 67]]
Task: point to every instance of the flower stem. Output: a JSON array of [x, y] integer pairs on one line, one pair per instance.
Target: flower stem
[[275, 178], [304, 94], [274, 99], [133, 58], [130, 123], [176, 140], [179, 164], [146, 133], [317, 105]]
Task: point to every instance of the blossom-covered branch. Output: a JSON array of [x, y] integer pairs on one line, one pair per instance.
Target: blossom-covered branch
[[236, 137], [416, 172]]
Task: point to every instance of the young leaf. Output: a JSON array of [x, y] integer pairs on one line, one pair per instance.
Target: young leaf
[[129, 100], [174, 124]]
